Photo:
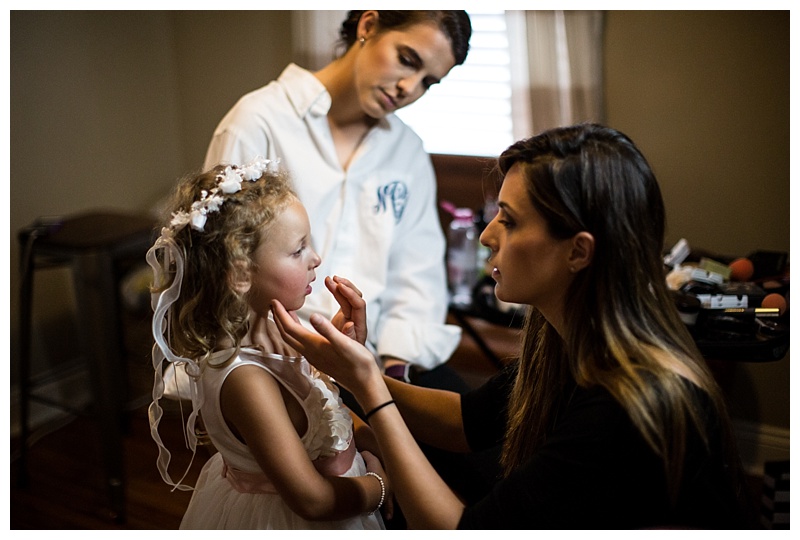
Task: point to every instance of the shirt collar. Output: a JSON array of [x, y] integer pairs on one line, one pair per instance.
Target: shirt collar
[[305, 92], [308, 95]]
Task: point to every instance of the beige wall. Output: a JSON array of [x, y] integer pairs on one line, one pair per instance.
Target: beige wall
[[221, 56], [706, 97], [108, 108], [94, 123]]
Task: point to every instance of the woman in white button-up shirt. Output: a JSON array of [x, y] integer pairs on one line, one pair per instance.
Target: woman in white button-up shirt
[[363, 175]]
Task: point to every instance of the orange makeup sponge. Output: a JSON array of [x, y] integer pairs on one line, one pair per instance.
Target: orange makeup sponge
[[774, 300], [741, 269]]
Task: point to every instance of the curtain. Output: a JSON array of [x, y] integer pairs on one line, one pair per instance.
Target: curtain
[[565, 62], [315, 35]]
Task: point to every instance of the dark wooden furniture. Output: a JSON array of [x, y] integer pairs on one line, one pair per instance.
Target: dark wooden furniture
[[96, 246]]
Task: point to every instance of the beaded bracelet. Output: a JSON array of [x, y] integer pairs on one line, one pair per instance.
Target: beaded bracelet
[[383, 490]]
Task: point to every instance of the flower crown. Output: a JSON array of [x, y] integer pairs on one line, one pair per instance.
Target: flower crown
[[228, 181]]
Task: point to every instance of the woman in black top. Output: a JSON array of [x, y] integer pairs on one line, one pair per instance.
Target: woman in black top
[[610, 418]]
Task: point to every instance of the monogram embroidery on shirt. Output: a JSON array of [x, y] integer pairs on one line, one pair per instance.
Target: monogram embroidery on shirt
[[393, 195]]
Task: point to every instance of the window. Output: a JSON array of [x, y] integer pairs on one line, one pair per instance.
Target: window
[[481, 107]]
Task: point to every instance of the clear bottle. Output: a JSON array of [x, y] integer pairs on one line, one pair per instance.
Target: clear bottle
[[462, 256]]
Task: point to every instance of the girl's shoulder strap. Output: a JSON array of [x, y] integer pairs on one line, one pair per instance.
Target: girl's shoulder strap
[[293, 372]]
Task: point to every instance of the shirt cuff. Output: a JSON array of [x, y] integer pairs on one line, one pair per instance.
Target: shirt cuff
[[426, 346]]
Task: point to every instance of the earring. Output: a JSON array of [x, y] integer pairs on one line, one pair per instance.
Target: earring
[[362, 40]]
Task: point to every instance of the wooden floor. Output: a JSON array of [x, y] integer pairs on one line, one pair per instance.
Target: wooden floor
[[67, 488]]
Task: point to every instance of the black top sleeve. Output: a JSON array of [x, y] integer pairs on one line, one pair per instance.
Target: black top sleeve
[[484, 411]]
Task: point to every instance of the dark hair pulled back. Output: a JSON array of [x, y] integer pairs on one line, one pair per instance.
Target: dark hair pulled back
[[455, 24]]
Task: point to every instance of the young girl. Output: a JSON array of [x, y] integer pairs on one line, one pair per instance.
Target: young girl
[[238, 239]]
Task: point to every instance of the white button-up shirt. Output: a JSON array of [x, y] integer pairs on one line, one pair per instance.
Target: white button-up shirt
[[375, 223]]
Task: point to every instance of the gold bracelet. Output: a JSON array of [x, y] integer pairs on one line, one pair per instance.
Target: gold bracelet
[[383, 490]]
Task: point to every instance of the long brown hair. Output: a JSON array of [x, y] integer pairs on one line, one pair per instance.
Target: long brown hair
[[592, 178]]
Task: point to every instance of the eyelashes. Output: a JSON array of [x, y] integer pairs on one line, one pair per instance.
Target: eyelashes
[[411, 60], [505, 221]]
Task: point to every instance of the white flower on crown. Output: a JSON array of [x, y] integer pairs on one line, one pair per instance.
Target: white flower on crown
[[253, 170], [179, 220], [229, 181]]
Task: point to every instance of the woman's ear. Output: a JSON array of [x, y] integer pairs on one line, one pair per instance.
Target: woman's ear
[[582, 251], [239, 278], [367, 24]]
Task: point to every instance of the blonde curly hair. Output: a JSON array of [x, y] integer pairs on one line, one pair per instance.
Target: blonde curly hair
[[208, 307]]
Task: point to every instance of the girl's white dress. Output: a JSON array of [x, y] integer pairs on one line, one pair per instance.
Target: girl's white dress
[[253, 503]]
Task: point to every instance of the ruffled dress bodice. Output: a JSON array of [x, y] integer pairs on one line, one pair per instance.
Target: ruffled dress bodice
[[218, 501], [330, 427]]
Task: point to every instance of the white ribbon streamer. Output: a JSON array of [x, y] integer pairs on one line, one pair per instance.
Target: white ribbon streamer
[[162, 352]]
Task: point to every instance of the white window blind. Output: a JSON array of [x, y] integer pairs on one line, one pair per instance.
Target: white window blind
[[474, 109]]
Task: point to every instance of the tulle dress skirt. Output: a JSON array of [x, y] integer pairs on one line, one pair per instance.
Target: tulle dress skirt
[[215, 504]]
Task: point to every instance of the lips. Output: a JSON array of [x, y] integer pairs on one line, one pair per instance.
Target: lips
[[389, 102]]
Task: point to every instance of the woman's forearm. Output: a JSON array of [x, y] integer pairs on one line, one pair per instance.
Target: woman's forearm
[[433, 416], [426, 500]]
